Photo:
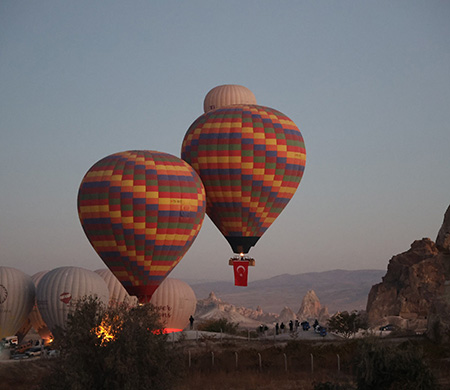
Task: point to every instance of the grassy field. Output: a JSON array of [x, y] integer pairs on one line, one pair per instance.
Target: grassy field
[[235, 365]]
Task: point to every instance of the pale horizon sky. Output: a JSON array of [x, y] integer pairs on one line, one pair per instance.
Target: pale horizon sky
[[367, 83]]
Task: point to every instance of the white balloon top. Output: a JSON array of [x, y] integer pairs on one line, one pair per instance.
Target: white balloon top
[[227, 95]]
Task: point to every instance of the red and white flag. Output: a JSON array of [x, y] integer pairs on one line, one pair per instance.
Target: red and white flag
[[240, 268]]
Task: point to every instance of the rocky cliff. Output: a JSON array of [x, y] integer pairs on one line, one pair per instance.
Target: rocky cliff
[[443, 237], [415, 292]]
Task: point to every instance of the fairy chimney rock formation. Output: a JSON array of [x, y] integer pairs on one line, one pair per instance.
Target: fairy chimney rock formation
[[311, 309], [286, 315]]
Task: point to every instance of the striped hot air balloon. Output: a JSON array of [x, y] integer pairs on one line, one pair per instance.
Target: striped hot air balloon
[[141, 211], [251, 160]]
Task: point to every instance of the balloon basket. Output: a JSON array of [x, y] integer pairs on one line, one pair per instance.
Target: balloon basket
[[251, 260]]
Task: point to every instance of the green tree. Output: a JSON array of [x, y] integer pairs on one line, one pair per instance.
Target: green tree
[[347, 323], [112, 348]]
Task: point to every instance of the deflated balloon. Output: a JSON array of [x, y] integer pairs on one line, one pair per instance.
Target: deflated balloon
[[35, 317], [117, 293], [226, 95], [60, 289], [176, 302], [141, 211], [251, 160], [17, 293]]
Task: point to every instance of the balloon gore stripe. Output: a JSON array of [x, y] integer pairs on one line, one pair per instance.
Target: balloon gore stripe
[[251, 160], [141, 211]]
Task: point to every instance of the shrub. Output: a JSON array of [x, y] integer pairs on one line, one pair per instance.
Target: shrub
[[383, 367], [219, 325], [115, 348], [347, 323]]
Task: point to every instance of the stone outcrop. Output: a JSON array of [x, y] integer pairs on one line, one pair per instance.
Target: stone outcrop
[[311, 309], [438, 326], [415, 292], [286, 315], [214, 308], [413, 281], [443, 237], [439, 313]]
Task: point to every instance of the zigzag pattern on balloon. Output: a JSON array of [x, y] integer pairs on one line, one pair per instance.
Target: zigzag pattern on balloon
[[251, 160], [141, 211]]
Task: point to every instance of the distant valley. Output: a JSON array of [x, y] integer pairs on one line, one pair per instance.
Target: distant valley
[[337, 289]]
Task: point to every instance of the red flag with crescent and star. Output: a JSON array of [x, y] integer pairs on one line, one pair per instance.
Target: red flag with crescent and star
[[240, 268]]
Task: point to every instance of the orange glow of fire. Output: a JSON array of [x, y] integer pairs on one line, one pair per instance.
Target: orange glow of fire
[[171, 330], [166, 331], [107, 330]]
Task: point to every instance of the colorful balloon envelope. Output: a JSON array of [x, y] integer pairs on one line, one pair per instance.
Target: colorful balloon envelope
[[141, 211], [251, 160]]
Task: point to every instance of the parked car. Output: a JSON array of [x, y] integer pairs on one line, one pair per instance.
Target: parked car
[[35, 351], [387, 327]]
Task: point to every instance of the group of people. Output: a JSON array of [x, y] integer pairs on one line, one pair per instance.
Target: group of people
[[294, 325]]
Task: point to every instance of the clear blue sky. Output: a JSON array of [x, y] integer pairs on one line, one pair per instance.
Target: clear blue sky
[[367, 83]]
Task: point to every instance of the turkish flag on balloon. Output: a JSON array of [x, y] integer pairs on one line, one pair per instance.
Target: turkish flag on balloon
[[240, 268]]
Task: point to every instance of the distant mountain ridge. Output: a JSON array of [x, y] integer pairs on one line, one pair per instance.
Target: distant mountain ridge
[[339, 290]]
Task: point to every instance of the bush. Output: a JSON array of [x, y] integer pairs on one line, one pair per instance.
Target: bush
[[220, 325], [383, 367], [347, 323], [115, 348]]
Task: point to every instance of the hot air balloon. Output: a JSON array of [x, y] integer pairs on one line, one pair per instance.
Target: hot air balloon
[[141, 211], [176, 302], [60, 289], [17, 294], [35, 317], [117, 293], [251, 160], [226, 95]]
